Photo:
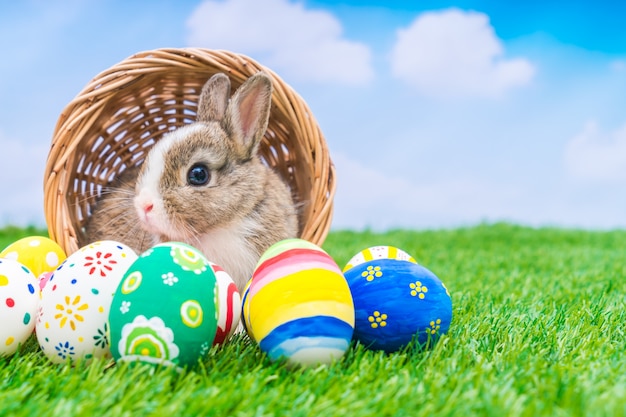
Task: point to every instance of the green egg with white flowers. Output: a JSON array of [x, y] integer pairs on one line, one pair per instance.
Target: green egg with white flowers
[[165, 309]]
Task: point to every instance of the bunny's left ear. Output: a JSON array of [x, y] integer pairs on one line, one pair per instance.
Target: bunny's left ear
[[247, 114], [214, 99]]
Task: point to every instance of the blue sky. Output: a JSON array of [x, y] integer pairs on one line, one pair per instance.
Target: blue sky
[[437, 113]]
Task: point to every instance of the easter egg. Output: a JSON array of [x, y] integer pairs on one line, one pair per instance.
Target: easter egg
[[229, 304], [75, 302], [245, 309], [165, 309], [298, 306], [378, 252], [37, 253], [19, 297], [396, 301], [44, 278]]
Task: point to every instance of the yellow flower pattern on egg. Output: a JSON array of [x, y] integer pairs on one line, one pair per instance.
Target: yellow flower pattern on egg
[[69, 312], [372, 272], [435, 326], [378, 319], [418, 290]]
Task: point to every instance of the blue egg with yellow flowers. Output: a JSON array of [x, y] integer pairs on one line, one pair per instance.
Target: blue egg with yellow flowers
[[396, 300]]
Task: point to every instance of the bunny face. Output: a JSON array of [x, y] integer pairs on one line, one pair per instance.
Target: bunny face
[[204, 184], [193, 181]]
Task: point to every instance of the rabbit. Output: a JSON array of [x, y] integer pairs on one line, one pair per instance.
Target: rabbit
[[204, 184], [113, 217]]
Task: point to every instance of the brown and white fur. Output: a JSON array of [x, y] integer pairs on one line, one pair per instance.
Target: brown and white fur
[[204, 184]]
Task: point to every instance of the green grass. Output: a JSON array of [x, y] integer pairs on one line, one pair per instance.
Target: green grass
[[538, 329]]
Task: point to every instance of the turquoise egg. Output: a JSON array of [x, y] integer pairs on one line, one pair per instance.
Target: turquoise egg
[[397, 301], [165, 309]]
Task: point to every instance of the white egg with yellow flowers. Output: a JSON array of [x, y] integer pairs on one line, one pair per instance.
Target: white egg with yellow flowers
[[72, 323]]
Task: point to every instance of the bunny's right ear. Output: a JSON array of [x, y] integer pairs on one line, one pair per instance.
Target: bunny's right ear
[[247, 115], [214, 98]]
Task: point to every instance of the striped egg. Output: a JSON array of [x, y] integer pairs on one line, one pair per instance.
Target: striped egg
[[229, 305], [378, 252], [298, 305]]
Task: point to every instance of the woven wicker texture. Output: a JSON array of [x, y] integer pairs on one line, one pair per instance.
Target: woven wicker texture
[[124, 110]]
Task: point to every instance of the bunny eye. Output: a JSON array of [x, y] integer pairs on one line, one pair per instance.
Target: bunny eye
[[198, 175]]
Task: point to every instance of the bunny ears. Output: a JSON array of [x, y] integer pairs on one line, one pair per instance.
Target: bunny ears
[[245, 117]]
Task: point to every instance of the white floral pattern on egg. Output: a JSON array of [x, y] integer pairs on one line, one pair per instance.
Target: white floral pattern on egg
[[75, 302]]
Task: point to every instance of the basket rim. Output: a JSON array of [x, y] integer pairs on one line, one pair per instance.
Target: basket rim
[[79, 115]]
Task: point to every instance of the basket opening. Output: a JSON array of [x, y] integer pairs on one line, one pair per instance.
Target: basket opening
[[124, 111]]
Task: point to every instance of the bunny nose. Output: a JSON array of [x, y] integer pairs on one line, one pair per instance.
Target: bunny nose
[[148, 208]]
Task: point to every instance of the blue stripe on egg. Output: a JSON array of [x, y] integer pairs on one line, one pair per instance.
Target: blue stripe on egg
[[305, 333], [311, 345]]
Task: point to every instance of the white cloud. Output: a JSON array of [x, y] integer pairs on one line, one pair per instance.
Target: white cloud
[[301, 43], [456, 53], [596, 155]]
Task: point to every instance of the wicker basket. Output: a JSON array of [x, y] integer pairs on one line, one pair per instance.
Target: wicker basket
[[120, 114]]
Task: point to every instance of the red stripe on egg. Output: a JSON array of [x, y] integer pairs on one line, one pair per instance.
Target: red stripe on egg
[[289, 262], [221, 334]]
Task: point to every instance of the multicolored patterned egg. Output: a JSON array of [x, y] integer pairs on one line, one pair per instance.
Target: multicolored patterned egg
[[165, 309], [396, 300], [19, 297], [229, 301], [245, 309], [44, 278], [298, 306], [378, 252], [37, 253], [74, 308]]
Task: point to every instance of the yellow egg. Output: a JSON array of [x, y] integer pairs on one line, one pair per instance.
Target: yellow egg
[[37, 253]]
